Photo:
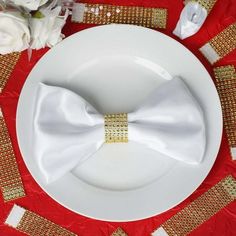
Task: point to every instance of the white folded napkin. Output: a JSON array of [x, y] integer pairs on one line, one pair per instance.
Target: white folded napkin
[[68, 130], [191, 20]]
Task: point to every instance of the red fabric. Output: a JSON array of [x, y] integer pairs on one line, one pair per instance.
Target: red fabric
[[222, 224]]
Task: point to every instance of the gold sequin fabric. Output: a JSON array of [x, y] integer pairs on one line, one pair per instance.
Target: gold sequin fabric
[[224, 42], [7, 64], [204, 207], [35, 225], [226, 86], [10, 180], [116, 128], [107, 14], [207, 4], [119, 232]]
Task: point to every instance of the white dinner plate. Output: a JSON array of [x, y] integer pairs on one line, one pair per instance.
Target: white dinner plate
[[115, 67]]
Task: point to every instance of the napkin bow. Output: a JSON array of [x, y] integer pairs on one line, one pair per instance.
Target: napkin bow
[[68, 130]]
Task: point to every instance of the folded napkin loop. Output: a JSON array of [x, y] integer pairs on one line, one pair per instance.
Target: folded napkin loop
[[192, 17], [116, 128]]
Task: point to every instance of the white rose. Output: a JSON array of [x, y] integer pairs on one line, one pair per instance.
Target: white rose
[[46, 30], [14, 32], [30, 4]]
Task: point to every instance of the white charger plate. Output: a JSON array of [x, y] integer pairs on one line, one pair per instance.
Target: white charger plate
[[115, 67]]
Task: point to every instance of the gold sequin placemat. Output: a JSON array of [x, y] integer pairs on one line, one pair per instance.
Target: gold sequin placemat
[[107, 14], [10, 180], [200, 210], [226, 86], [7, 64], [221, 45]]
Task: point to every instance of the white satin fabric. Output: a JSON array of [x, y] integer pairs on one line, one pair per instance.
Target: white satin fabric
[[191, 20], [68, 130]]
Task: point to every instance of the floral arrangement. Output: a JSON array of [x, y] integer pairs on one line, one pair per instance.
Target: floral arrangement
[[31, 24]]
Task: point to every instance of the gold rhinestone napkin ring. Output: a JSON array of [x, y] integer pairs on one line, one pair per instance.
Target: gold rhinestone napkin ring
[[226, 87], [221, 45], [7, 64], [106, 14], [207, 4], [11, 184], [33, 224], [200, 210], [116, 128]]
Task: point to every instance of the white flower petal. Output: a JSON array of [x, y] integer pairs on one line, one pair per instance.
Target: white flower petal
[[14, 32], [30, 4], [47, 31]]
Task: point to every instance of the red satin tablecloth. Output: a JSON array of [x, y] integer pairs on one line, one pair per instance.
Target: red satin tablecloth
[[222, 224]]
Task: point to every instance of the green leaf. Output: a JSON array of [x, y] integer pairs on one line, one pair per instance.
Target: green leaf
[[38, 15]]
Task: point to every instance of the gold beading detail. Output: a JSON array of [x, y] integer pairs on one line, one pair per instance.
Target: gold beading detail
[[10, 180], [7, 64], [35, 225], [201, 209], [226, 86], [207, 4], [119, 232], [116, 128], [107, 14], [225, 41]]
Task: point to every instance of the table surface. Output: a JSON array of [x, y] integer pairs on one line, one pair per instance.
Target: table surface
[[222, 224]]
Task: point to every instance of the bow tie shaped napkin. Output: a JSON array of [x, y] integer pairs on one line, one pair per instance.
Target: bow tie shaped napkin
[[68, 130]]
